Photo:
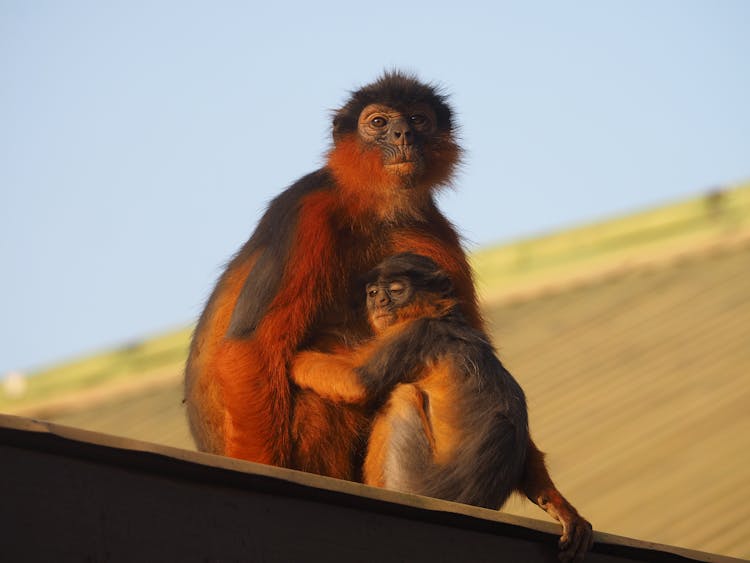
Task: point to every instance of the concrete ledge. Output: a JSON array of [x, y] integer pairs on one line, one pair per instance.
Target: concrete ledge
[[73, 495]]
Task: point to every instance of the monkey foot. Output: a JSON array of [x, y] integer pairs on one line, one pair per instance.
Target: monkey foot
[[576, 540]]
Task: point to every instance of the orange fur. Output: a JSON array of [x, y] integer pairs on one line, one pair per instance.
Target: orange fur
[[328, 437], [373, 472], [359, 169], [577, 536], [241, 389], [236, 363], [254, 372], [207, 344], [439, 384], [441, 424], [452, 262], [329, 375], [367, 189]]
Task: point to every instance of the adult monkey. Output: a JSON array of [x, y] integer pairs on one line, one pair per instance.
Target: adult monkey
[[289, 288], [453, 421]]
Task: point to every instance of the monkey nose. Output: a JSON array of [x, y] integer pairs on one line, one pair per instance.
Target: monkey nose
[[402, 134]]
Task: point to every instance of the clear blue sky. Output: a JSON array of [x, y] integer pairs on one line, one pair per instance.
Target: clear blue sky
[[140, 141]]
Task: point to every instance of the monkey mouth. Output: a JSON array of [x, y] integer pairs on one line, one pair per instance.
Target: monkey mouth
[[405, 167], [383, 319], [383, 315], [406, 156]]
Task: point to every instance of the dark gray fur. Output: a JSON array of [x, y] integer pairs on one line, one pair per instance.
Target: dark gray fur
[[273, 239]]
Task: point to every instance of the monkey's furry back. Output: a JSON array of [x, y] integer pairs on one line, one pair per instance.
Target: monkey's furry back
[[487, 464]]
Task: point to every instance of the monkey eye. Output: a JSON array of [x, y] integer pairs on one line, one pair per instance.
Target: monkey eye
[[378, 122], [372, 291], [418, 119], [396, 288]]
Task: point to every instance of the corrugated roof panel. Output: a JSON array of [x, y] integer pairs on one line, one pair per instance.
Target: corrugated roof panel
[[638, 389]]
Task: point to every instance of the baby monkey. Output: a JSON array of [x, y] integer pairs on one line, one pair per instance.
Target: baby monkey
[[452, 421]]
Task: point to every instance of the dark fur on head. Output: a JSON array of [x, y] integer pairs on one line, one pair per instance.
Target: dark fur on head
[[398, 90], [420, 270]]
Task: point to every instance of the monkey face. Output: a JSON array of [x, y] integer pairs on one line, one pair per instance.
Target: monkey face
[[400, 134], [393, 147], [384, 299], [406, 286]]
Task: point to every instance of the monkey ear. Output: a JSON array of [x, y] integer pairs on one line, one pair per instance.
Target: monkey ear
[[359, 297], [336, 128], [338, 124], [344, 121], [444, 284]]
